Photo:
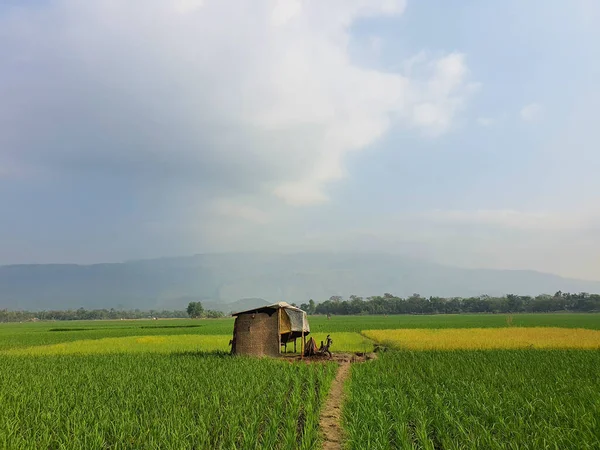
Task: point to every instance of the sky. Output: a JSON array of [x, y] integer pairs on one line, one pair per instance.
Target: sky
[[459, 132]]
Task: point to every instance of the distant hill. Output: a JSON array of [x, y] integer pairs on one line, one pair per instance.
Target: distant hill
[[218, 280]]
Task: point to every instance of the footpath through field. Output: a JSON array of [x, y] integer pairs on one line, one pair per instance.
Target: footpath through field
[[331, 415]]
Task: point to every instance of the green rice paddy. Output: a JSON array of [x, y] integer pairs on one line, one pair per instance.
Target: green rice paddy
[[496, 399], [171, 384]]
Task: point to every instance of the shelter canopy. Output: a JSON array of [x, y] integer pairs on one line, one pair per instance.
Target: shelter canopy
[[293, 318]]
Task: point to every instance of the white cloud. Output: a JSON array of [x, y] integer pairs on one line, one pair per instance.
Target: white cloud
[[531, 112], [442, 95], [187, 6], [284, 11], [264, 90]]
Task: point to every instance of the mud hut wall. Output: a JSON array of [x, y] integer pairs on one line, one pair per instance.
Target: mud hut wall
[[257, 334]]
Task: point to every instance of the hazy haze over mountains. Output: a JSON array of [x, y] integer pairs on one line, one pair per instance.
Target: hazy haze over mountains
[[218, 279]]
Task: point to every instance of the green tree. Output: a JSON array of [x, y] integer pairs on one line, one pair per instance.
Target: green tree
[[309, 307], [212, 314], [195, 310]]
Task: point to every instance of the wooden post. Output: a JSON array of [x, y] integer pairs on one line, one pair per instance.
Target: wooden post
[[279, 330], [302, 342], [294, 345]]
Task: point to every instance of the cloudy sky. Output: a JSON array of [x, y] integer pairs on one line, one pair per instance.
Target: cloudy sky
[[461, 132]]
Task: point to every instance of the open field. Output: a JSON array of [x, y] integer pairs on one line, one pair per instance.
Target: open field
[[360, 323], [170, 384], [147, 401], [526, 399], [45, 333], [486, 338], [344, 342], [13, 335], [412, 339], [130, 344]]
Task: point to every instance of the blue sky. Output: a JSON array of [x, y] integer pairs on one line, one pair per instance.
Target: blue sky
[[461, 132]]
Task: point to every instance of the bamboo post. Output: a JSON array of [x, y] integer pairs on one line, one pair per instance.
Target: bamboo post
[[279, 330], [302, 342]]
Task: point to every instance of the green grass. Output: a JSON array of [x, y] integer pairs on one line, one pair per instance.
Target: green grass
[[14, 335], [360, 323], [525, 399], [152, 401]]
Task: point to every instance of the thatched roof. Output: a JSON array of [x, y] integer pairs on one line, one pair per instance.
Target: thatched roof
[[295, 318], [275, 306]]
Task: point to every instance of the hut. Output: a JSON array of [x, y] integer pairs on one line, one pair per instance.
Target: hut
[[263, 331]]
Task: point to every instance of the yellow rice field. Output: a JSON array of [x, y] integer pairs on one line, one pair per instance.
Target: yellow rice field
[[487, 338], [406, 338], [130, 344], [342, 342]]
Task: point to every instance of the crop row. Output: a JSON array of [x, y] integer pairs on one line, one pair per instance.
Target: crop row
[[151, 401], [525, 399]]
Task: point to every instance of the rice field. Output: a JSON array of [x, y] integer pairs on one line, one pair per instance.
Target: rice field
[[448, 382], [130, 345], [344, 342], [493, 399], [156, 401], [360, 323], [487, 338], [14, 335]]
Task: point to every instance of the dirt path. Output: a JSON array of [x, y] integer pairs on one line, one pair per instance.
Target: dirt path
[[331, 415]]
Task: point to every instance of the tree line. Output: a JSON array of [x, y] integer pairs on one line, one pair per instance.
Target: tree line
[[415, 304], [99, 314], [354, 305]]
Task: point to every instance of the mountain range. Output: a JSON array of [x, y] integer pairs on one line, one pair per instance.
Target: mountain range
[[218, 280]]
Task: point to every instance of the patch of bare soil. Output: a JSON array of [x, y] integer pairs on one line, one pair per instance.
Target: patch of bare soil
[[331, 415], [339, 358]]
